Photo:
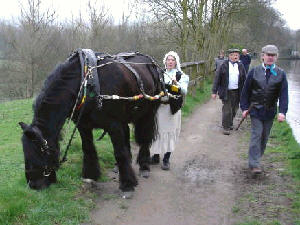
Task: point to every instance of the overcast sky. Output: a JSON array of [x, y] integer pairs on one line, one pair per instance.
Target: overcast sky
[[290, 12], [65, 8]]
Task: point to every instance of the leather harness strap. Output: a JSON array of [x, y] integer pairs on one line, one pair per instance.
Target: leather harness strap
[[130, 68], [91, 61], [88, 60]]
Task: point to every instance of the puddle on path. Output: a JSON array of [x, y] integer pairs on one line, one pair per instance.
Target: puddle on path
[[202, 171]]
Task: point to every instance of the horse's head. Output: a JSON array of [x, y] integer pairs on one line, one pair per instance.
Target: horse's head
[[41, 157]]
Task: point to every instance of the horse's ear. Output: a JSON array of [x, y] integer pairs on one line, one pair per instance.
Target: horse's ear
[[24, 126], [27, 130]]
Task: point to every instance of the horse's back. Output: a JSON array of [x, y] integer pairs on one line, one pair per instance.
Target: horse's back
[[126, 72]]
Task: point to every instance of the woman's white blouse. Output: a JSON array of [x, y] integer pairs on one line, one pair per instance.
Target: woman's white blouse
[[170, 75]]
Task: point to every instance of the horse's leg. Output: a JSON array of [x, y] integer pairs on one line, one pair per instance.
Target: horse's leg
[[127, 139], [127, 144], [91, 168], [145, 132], [123, 156]]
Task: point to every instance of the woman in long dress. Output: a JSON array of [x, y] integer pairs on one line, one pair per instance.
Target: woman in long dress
[[168, 119]]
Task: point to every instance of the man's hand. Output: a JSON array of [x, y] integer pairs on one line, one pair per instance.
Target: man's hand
[[213, 96], [281, 117], [245, 113]]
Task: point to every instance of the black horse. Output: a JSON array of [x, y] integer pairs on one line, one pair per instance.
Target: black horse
[[55, 103]]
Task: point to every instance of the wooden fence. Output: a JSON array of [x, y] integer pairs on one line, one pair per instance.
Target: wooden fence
[[197, 73], [195, 70]]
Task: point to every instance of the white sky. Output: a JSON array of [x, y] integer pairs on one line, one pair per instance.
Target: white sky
[[290, 12], [65, 8]]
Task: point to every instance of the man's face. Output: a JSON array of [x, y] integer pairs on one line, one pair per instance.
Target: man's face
[[234, 57], [269, 59]]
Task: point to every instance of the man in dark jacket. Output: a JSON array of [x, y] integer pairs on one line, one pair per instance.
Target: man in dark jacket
[[219, 60], [265, 84], [245, 59], [228, 84]]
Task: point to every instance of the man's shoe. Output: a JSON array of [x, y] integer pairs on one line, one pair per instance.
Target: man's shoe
[[226, 132], [165, 166], [154, 159], [256, 170]]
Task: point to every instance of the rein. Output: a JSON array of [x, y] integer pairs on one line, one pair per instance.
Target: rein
[[83, 84]]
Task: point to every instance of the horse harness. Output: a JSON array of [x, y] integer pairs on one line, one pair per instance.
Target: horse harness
[[89, 78], [43, 170]]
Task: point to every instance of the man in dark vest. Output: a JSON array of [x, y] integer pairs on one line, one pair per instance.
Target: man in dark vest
[[228, 83], [265, 84], [245, 59]]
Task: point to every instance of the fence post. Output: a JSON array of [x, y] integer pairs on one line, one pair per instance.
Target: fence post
[[196, 71]]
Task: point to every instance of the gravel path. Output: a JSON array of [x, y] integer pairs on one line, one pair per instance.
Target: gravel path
[[199, 188]]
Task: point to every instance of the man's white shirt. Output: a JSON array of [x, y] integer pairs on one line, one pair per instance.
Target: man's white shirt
[[233, 76]]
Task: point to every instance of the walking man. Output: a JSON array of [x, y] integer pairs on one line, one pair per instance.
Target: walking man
[[245, 59], [219, 60], [228, 84], [265, 84]]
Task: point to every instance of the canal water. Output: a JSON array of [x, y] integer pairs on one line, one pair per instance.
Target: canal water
[[292, 69]]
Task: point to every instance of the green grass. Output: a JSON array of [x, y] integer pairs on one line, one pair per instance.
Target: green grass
[[200, 97], [249, 222], [282, 148], [62, 203], [284, 142], [254, 222]]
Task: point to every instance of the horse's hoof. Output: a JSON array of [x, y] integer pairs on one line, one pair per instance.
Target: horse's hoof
[[144, 173], [89, 183], [116, 169], [88, 180], [127, 194]]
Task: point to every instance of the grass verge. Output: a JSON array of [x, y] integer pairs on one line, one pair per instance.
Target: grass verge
[[63, 203], [285, 144], [273, 198]]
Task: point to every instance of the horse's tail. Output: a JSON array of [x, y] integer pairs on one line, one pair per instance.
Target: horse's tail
[[146, 127]]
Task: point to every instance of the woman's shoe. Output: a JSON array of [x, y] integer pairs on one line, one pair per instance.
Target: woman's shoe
[[165, 166], [226, 131]]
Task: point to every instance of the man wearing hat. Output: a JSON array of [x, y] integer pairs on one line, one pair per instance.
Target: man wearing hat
[[228, 84], [264, 86]]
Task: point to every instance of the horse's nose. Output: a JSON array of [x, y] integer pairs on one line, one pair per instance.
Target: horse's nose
[[32, 184], [37, 184]]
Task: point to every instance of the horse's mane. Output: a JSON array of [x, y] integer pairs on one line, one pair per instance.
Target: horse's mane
[[57, 80]]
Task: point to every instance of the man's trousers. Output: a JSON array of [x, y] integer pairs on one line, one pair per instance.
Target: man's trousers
[[229, 109], [260, 131]]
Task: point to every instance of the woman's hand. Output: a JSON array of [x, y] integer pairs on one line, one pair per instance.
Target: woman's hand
[[174, 82]]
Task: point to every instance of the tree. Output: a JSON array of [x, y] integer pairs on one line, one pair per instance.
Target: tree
[[30, 44], [259, 24], [199, 28]]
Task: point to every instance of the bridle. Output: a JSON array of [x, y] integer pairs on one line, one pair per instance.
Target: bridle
[[43, 170]]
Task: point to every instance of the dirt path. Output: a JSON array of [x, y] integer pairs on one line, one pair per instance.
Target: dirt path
[[200, 189]]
